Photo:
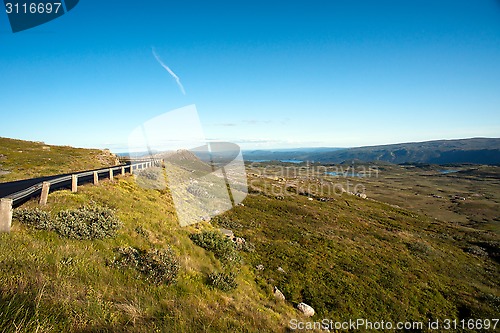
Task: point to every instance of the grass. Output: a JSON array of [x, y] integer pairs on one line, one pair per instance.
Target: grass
[[23, 159], [355, 258], [82, 286], [345, 256]]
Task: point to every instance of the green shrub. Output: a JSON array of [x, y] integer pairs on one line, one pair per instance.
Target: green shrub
[[222, 281], [36, 218], [87, 222], [225, 222], [220, 245], [158, 266]]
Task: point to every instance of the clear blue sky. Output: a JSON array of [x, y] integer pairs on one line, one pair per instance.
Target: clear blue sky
[[263, 74]]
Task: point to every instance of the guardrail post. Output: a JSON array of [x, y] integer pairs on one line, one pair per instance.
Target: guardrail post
[[96, 178], [123, 171], [111, 174], [5, 214], [74, 183], [45, 193]]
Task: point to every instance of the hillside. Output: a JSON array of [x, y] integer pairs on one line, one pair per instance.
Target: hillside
[[346, 256], [476, 151], [24, 159]]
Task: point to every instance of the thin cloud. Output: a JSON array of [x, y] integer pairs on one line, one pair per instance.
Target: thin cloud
[[169, 71], [226, 124]]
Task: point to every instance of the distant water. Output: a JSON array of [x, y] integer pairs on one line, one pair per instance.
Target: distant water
[[445, 172], [283, 161], [344, 174], [291, 161]]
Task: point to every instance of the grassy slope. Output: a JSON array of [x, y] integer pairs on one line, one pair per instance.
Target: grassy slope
[[349, 258], [355, 258], [24, 159], [66, 285]]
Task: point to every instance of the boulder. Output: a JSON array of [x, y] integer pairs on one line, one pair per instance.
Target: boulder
[[278, 294], [281, 270], [307, 310]]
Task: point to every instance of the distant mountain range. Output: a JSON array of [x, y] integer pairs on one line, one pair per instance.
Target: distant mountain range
[[475, 151]]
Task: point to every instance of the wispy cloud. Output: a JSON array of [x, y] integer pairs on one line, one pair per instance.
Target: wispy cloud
[[226, 124], [169, 71]]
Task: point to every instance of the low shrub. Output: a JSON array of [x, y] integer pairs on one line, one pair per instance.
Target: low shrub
[[36, 218], [225, 222], [87, 222], [223, 248], [157, 265], [222, 281]]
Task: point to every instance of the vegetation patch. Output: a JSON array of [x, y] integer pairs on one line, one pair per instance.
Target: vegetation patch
[[36, 218], [86, 222], [159, 266], [222, 281], [220, 245]]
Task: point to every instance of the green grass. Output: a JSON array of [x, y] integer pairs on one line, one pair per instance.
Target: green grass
[[81, 285], [24, 159], [354, 258], [347, 257]]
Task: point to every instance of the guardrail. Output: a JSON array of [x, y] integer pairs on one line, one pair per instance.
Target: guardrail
[[67, 181]]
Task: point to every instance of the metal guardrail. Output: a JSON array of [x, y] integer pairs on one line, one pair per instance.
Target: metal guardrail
[[30, 191], [20, 196]]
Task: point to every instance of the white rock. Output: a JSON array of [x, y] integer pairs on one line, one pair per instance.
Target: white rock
[[307, 310], [278, 294]]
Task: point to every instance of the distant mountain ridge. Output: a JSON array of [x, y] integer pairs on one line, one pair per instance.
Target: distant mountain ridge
[[475, 151]]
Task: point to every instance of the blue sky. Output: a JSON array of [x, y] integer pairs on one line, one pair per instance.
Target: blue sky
[[263, 74]]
